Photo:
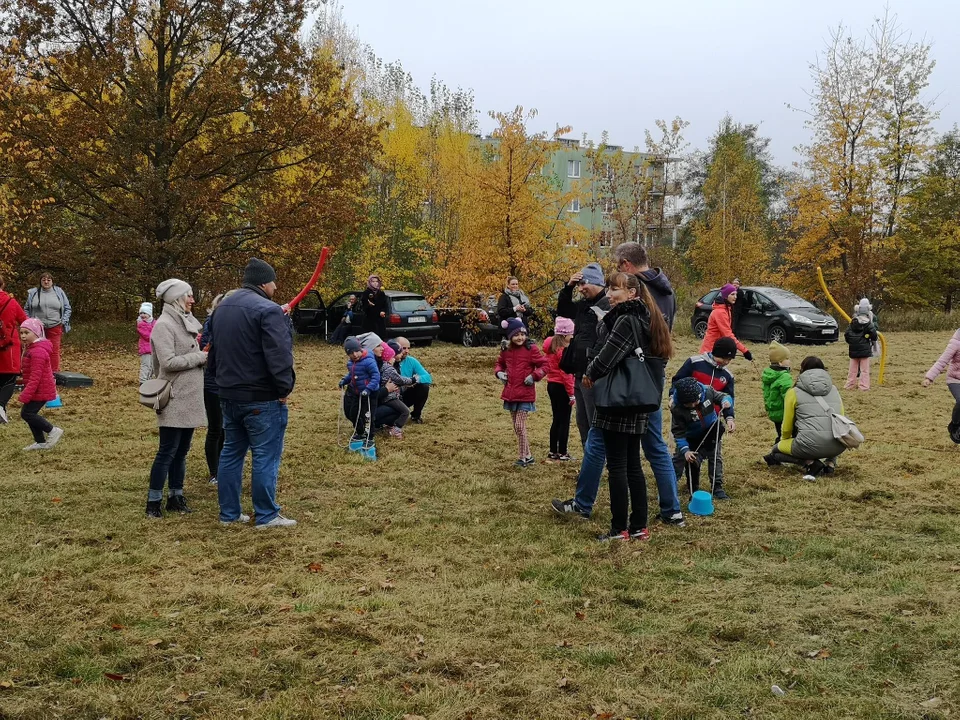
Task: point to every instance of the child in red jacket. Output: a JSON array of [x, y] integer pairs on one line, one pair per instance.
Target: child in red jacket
[[519, 366], [559, 388], [39, 385]]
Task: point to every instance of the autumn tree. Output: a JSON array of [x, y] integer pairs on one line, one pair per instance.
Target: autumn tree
[[513, 217], [621, 190], [870, 126], [177, 138], [731, 233], [928, 240], [665, 155]]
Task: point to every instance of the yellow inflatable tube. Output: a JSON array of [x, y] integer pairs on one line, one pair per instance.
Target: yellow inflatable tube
[[843, 314]]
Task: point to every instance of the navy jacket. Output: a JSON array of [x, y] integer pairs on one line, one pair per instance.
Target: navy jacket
[[251, 350], [364, 374], [689, 425]]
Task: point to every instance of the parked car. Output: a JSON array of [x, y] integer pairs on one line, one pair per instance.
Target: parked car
[[410, 315], [470, 326], [770, 313]]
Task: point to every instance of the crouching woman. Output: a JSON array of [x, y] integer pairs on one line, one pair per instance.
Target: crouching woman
[[808, 438]]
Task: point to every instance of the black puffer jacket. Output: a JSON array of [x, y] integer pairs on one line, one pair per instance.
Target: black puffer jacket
[[860, 337], [585, 322]]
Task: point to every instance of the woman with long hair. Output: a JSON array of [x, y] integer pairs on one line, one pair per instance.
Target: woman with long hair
[[622, 428]]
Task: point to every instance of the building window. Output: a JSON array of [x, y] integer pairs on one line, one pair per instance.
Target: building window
[[606, 238], [608, 172], [574, 206], [573, 168], [609, 205]]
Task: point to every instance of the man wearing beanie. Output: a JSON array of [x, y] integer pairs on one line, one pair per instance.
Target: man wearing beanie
[[251, 357], [710, 369], [776, 381]]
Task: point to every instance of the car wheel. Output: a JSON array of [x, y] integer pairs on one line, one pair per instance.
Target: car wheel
[[777, 333], [700, 329], [425, 343], [468, 338]]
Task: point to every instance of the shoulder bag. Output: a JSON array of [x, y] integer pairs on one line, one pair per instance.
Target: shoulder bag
[[636, 383], [844, 429], [155, 394]]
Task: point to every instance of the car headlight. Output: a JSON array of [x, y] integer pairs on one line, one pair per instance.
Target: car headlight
[[801, 319]]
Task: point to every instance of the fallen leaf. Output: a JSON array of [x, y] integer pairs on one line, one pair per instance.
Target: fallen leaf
[[363, 590], [955, 568], [387, 585], [285, 608], [931, 703], [820, 654], [183, 697], [315, 567], [563, 682], [580, 615], [117, 627], [408, 716], [154, 642], [116, 677], [420, 640], [255, 652], [407, 689], [564, 644], [6, 684], [56, 500]]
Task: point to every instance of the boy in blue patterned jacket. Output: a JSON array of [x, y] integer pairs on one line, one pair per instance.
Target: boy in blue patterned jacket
[[697, 429], [362, 382]]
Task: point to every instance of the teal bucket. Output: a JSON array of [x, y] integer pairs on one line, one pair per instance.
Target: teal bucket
[[701, 503]]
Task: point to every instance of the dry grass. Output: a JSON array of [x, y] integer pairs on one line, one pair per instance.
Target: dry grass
[[446, 588]]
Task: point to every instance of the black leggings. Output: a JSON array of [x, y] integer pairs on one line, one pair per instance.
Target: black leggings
[[7, 384], [213, 445], [39, 425], [955, 390], [627, 484], [560, 427]]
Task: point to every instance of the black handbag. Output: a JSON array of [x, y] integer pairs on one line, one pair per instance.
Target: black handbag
[[635, 384]]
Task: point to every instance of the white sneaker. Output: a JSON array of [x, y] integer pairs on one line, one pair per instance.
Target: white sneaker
[[36, 446], [3, 416], [278, 521], [242, 519], [53, 437]]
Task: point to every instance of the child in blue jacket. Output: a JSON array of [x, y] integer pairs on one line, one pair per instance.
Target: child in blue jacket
[[697, 429], [362, 382]]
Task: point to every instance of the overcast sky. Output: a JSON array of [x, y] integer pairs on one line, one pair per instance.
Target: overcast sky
[[618, 65]]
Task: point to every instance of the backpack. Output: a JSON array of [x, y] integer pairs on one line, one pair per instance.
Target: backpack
[[6, 336], [844, 429]]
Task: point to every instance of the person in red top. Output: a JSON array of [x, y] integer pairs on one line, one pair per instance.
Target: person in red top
[[39, 385], [720, 323], [559, 388], [11, 316], [519, 366]]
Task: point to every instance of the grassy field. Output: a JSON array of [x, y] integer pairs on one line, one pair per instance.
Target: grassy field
[[436, 583]]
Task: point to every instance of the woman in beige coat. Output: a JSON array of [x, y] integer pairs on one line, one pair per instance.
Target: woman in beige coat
[[177, 358]]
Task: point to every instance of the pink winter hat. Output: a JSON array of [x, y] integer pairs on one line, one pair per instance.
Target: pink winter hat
[[34, 326], [563, 326], [388, 353]]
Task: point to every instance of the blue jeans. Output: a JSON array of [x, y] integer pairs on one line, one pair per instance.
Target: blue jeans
[[657, 454], [591, 470], [259, 427], [654, 448]]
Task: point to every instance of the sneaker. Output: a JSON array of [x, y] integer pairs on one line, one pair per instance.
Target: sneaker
[[396, 433], [212, 480], [814, 468], [54, 437], [565, 457], [153, 509], [278, 522], [641, 534], [3, 416], [36, 446], [568, 508], [553, 456], [954, 433], [528, 460], [520, 463], [771, 461], [676, 520], [242, 519], [178, 503], [829, 469], [720, 494], [613, 535]]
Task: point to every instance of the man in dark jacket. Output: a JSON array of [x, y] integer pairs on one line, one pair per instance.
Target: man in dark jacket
[[251, 355], [631, 257]]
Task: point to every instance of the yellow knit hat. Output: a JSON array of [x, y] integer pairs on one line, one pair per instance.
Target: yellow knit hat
[[778, 353]]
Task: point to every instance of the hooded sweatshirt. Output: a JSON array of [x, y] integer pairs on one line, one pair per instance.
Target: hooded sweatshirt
[[659, 286], [807, 427], [776, 381], [949, 361]]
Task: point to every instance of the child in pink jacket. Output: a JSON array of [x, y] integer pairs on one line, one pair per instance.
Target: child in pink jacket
[[145, 323], [39, 385], [949, 361], [559, 388]]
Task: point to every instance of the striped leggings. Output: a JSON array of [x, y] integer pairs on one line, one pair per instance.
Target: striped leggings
[[520, 428]]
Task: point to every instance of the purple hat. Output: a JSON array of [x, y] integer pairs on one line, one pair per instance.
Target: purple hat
[[513, 326], [727, 289]]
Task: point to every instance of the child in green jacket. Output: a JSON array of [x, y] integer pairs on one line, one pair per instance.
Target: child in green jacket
[[777, 380]]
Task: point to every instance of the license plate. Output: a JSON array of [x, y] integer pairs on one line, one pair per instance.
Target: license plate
[[416, 319], [827, 332]]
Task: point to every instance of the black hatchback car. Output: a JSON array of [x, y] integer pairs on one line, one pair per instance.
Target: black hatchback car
[[768, 313], [410, 316]]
